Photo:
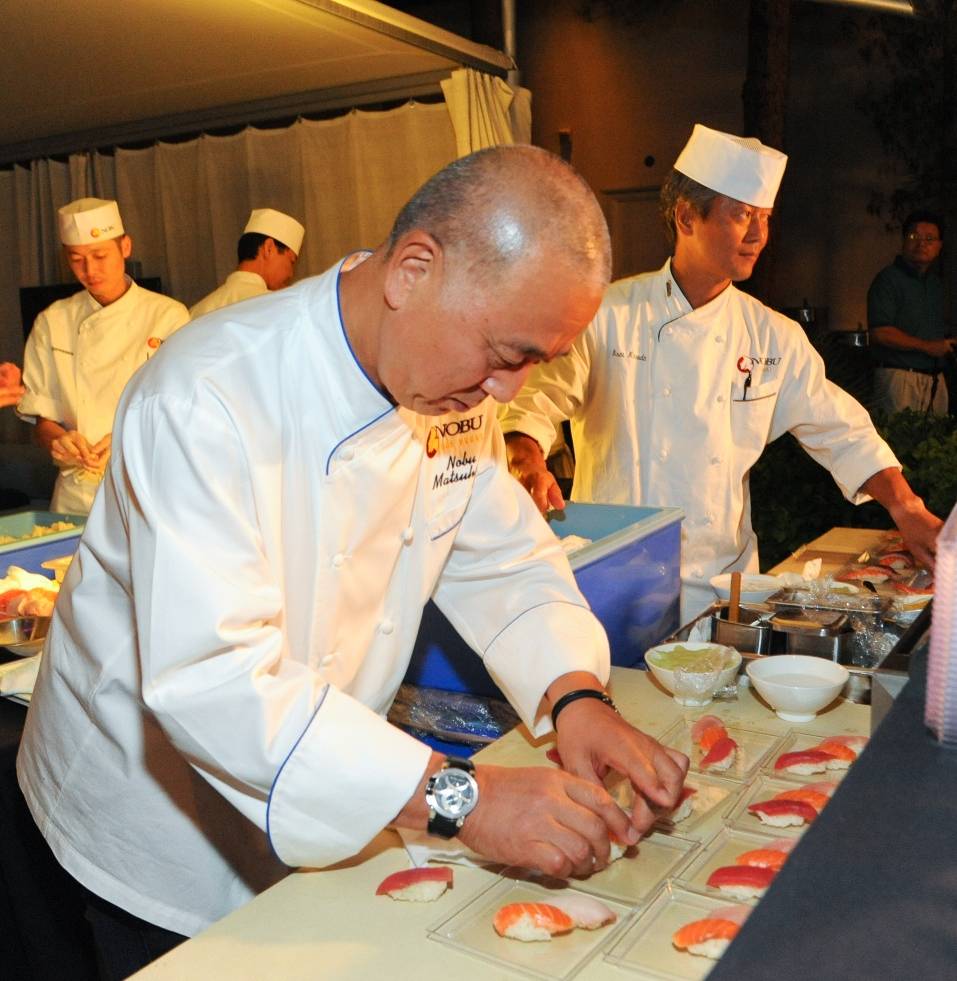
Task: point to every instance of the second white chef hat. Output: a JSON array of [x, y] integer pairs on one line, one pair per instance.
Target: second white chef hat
[[278, 226], [741, 167], [88, 220]]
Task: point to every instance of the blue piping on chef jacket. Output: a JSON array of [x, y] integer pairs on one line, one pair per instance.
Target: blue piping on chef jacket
[[282, 765], [345, 337], [508, 625]]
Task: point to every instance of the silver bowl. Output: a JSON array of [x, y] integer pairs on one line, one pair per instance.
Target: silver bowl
[[24, 636]]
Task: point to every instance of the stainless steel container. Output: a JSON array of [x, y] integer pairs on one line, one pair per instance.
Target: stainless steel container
[[819, 633], [749, 633]]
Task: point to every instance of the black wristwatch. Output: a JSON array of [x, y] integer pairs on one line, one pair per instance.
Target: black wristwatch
[[451, 794]]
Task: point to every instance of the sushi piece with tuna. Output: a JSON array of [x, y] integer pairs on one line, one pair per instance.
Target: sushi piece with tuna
[[803, 762], [531, 921], [710, 936], [421, 885], [587, 912], [783, 813], [867, 573], [684, 808], [742, 881], [718, 749]]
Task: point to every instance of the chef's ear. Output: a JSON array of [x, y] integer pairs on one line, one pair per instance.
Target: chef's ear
[[126, 246], [685, 216], [412, 262]]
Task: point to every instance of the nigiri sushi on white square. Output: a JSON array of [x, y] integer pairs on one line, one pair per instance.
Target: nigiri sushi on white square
[[790, 819], [751, 748]]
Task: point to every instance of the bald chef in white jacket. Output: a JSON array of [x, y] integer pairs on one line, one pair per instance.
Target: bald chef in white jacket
[[268, 250], [682, 380], [84, 349], [292, 479]]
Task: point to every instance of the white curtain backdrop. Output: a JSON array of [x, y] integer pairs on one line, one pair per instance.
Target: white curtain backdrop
[[485, 111], [185, 204]]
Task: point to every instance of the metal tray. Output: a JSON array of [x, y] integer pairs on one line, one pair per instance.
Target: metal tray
[[24, 636]]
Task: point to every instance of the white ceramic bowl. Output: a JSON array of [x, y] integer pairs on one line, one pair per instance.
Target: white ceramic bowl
[[755, 588], [797, 686], [667, 676]]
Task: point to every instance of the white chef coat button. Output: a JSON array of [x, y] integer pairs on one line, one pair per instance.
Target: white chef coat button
[[347, 453], [407, 536], [719, 339], [669, 330], [338, 559], [663, 454], [666, 391], [327, 660], [720, 398], [716, 460], [698, 573], [386, 627]]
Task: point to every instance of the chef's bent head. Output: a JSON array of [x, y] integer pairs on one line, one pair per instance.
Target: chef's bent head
[[723, 178], [499, 261], [96, 246]]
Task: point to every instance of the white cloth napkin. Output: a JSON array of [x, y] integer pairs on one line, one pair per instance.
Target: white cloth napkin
[[424, 848], [17, 678]]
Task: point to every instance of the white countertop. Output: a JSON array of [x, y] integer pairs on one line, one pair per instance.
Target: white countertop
[[329, 924]]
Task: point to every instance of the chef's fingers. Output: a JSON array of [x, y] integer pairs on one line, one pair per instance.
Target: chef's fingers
[[11, 395], [103, 445], [554, 497]]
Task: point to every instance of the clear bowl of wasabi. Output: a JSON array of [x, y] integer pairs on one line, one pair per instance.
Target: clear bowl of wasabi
[[693, 671]]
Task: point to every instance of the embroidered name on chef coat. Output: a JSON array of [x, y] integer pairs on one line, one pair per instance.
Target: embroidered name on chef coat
[[457, 440]]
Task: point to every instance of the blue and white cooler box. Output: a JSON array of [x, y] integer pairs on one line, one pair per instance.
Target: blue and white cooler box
[[629, 573]]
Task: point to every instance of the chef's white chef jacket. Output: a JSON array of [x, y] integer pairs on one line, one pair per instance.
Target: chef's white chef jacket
[[239, 285], [672, 406], [77, 360], [243, 606]]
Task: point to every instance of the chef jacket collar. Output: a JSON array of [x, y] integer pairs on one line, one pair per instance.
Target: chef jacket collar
[[677, 305], [127, 297]]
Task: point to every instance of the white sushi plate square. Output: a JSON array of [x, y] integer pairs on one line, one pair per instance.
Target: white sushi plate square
[[763, 789], [723, 851], [753, 749], [637, 876], [645, 946], [713, 798], [469, 929], [797, 741]]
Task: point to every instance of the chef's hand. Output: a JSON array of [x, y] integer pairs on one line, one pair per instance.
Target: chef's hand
[[101, 449], [916, 524], [11, 391], [10, 395], [72, 449], [593, 739], [544, 818], [526, 463]]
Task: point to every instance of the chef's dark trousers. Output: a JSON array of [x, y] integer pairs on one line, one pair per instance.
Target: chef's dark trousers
[[124, 943]]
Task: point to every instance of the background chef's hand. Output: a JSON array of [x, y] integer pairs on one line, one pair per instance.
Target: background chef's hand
[[101, 449], [71, 449], [593, 739], [920, 528], [11, 391], [526, 463], [544, 818]]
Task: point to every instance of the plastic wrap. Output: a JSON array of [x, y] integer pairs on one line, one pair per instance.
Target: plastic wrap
[[456, 717]]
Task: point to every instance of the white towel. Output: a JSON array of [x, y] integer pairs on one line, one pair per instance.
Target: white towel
[[17, 678]]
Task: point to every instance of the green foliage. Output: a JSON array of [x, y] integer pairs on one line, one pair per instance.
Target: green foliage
[[793, 500]]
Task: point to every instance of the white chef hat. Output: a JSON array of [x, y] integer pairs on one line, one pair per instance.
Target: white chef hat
[[275, 225], [743, 168], [88, 220]]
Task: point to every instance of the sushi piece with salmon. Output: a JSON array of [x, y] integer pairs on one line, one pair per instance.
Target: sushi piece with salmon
[[772, 856], [815, 798], [710, 936], [804, 762], [783, 813], [742, 881], [531, 921], [867, 573], [421, 885]]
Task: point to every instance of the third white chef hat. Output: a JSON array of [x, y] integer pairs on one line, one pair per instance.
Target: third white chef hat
[[275, 225], [88, 220], [741, 167]]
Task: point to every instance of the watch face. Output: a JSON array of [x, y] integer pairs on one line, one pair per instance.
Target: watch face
[[454, 792]]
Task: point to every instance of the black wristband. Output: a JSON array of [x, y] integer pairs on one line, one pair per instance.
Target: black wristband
[[573, 696]]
